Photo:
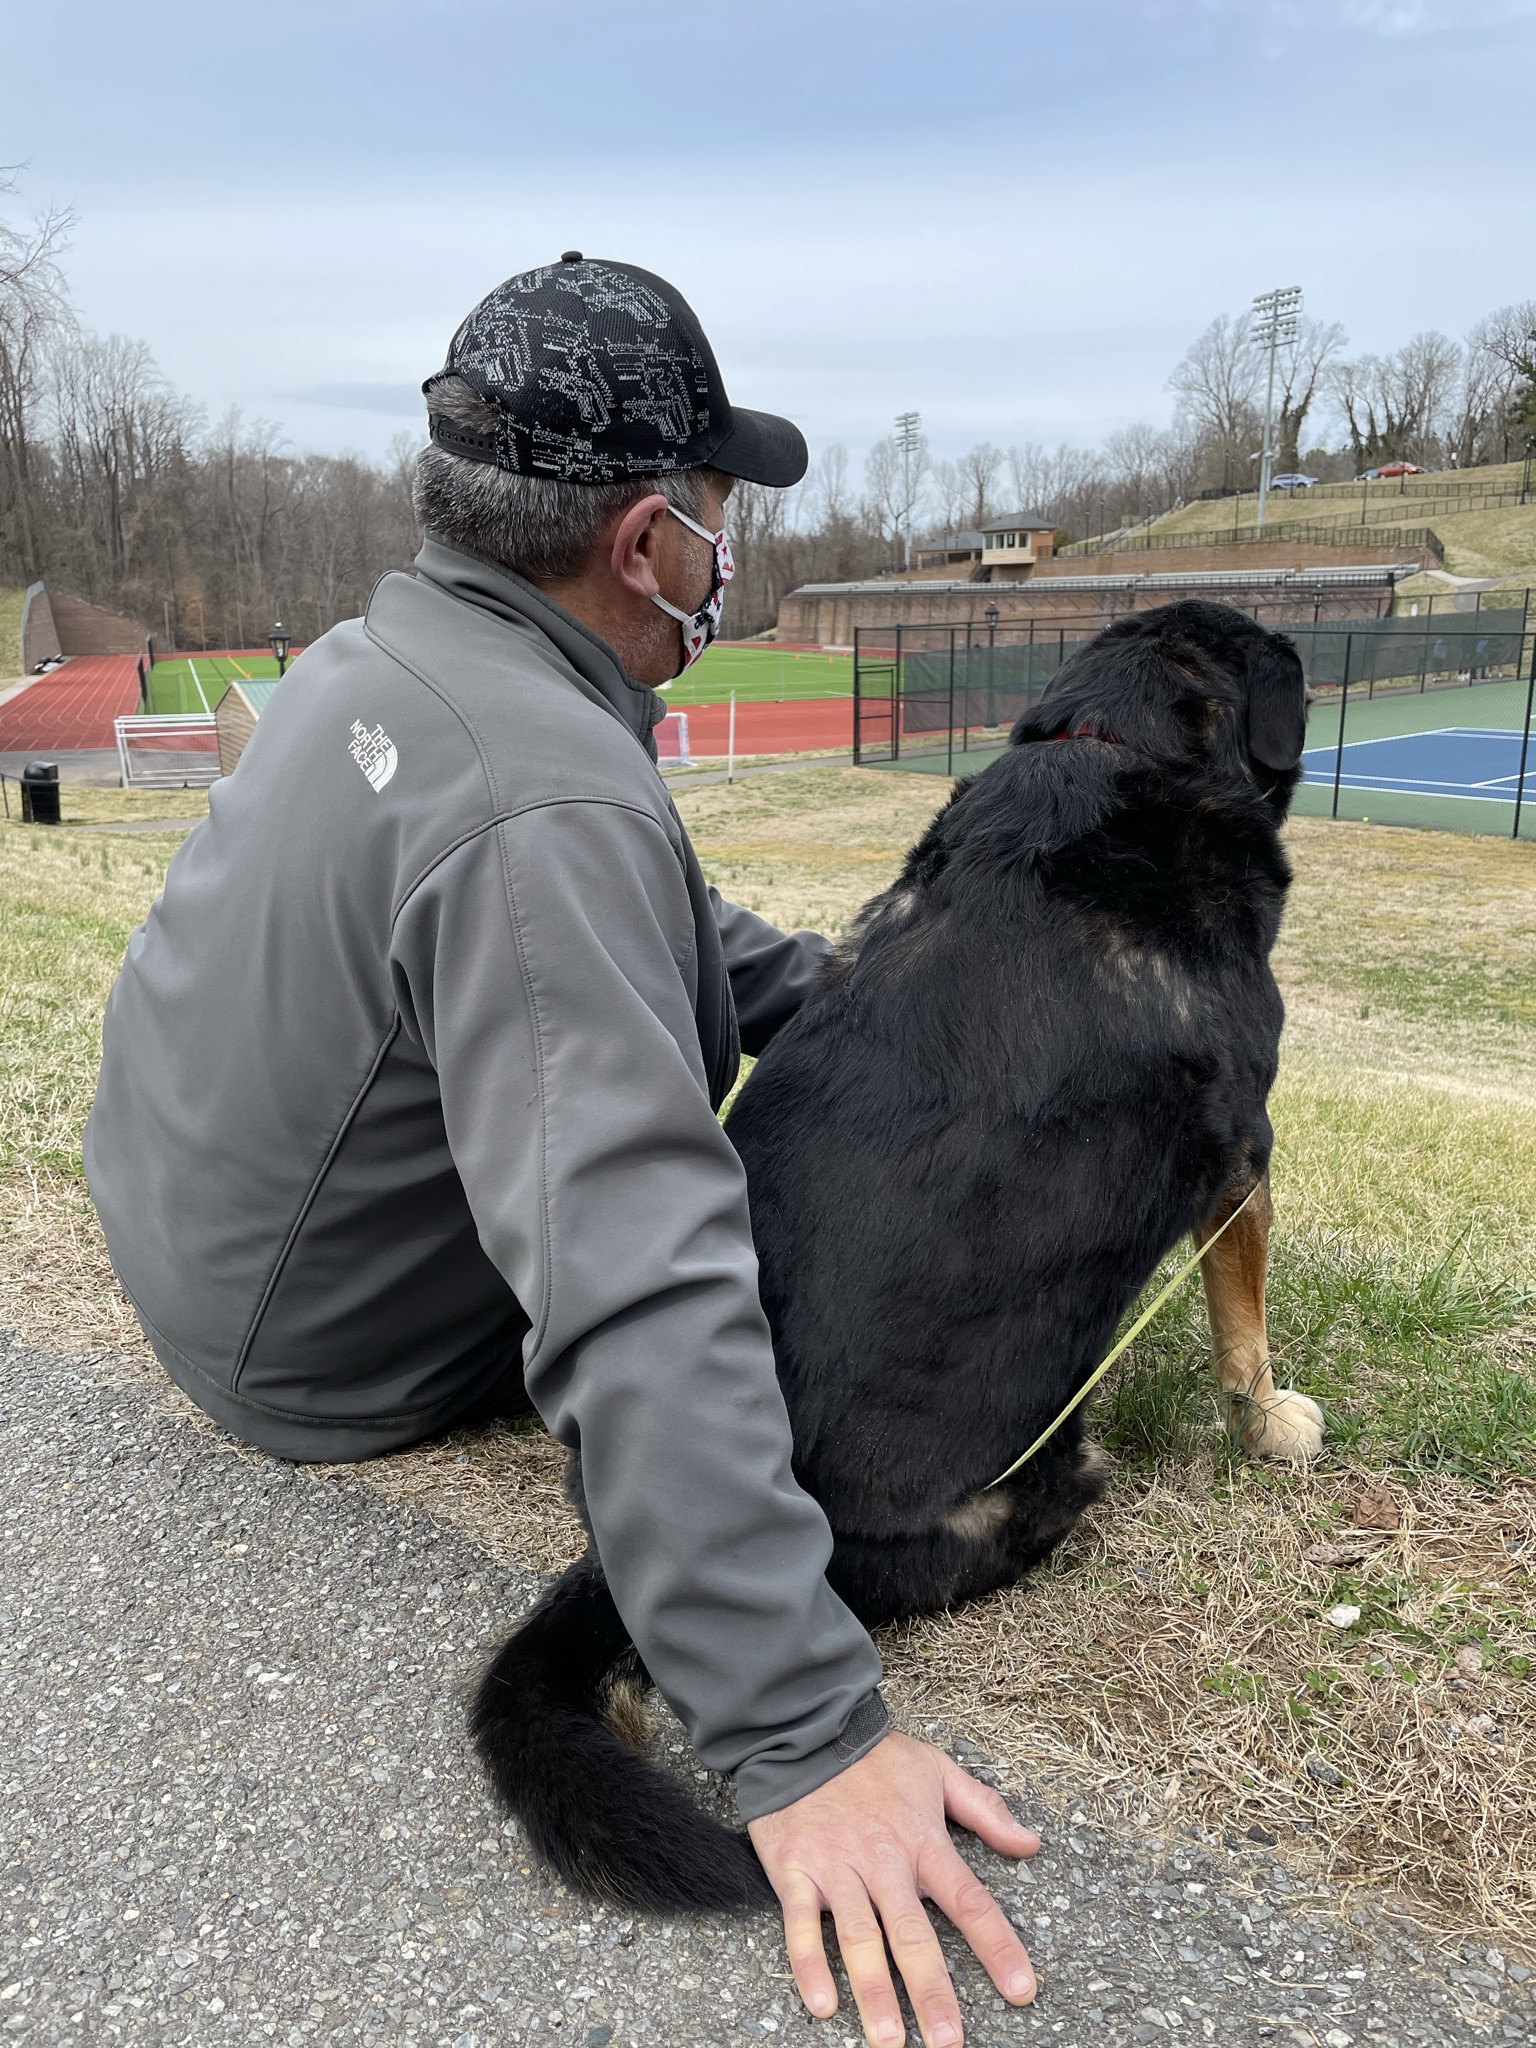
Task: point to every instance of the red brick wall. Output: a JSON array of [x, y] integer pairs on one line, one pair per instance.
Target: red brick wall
[[828, 620], [1235, 555]]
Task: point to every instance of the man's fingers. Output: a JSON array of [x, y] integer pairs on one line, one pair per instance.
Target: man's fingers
[[807, 1956], [863, 1947], [985, 1813], [956, 1889], [915, 1949]]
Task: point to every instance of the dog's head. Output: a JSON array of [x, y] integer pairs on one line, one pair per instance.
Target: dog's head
[[1187, 684]]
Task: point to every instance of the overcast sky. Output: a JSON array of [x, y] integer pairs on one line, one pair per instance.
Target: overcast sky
[[1009, 214]]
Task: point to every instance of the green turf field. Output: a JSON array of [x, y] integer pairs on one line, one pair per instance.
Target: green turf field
[[756, 674], [761, 675], [196, 682]]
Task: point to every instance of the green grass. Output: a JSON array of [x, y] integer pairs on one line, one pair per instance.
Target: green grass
[[1497, 542], [762, 675], [1401, 1348], [12, 601], [173, 683]]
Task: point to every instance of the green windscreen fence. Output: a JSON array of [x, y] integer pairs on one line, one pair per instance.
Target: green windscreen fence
[[1411, 652], [978, 686], [1415, 720]]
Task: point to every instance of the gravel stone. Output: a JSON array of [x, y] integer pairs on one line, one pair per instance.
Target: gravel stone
[[237, 1806]]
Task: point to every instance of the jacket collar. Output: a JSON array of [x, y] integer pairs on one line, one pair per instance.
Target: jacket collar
[[507, 595]]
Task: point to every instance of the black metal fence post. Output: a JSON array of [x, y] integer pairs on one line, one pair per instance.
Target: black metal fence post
[[1338, 759], [1525, 745], [965, 708], [949, 751], [857, 701], [896, 702]]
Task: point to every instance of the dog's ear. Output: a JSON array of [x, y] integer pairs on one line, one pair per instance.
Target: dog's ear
[[1277, 702]]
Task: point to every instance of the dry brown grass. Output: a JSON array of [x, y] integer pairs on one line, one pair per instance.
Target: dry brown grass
[[1173, 1663], [1176, 1653]]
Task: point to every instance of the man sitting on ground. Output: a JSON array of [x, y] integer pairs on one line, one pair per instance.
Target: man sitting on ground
[[407, 1111]]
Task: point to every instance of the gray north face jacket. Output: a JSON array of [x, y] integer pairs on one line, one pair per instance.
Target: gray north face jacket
[[408, 1101]]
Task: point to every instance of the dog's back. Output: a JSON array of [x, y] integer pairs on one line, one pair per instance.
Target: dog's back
[[1039, 1058]]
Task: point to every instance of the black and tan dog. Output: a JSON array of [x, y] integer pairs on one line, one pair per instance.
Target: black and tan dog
[[1041, 1059]]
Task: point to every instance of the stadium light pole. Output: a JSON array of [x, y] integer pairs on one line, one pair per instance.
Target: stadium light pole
[[1276, 314], [279, 640], [909, 432]]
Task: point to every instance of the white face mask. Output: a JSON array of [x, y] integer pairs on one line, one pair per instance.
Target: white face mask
[[700, 627]]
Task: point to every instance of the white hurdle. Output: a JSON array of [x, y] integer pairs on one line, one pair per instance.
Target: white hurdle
[[672, 740], [144, 729]]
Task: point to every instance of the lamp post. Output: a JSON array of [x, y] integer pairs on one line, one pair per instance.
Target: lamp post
[[909, 435], [1525, 475], [1275, 316], [279, 640]]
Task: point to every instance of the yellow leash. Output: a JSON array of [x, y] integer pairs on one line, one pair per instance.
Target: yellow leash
[[1127, 1340]]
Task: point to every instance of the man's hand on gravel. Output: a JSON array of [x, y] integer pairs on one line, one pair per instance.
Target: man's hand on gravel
[[868, 1847]]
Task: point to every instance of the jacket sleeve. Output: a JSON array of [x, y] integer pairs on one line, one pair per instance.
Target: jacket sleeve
[[772, 972], [546, 967]]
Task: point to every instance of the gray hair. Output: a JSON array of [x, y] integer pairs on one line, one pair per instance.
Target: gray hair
[[539, 526]]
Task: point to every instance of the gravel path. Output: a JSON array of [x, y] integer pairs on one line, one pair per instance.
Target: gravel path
[[236, 1805]]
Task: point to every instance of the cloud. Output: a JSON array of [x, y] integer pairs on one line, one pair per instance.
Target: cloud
[[400, 401], [1403, 18]]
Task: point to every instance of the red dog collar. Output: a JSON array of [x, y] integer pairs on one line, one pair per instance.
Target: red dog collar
[[1089, 730]]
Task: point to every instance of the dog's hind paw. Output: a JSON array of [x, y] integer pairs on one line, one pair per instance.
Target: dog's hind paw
[[1288, 1425]]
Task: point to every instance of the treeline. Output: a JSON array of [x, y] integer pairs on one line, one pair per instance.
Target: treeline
[[1440, 403], [118, 489]]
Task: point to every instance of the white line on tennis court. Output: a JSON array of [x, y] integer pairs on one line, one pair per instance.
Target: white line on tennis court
[[1442, 795]]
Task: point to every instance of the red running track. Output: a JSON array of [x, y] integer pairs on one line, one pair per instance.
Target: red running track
[[73, 707], [793, 728]]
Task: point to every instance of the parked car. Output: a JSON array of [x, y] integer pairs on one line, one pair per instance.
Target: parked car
[[1402, 469], [1367, 476], [1293, 480]]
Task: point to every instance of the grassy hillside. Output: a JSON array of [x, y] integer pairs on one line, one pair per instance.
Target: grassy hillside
[[1500, 541], [12, 598]]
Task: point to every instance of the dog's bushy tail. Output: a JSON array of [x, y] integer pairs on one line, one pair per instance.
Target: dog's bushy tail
[[602, 1816]]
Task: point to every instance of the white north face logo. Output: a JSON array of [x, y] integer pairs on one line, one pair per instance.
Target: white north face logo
[[374, 752]]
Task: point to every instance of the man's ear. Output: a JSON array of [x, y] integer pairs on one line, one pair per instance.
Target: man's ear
[[632, 550], [1277, 702]]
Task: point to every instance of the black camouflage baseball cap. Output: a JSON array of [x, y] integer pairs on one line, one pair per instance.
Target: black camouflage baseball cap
[[598, 372]]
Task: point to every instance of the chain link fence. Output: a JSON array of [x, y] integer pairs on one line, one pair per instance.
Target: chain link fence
[[1416, 719]]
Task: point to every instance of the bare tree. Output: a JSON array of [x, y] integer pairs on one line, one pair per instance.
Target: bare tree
[[1398, 405], [951, 495], [1501, 382], [980, 467], [34, 307], [1216, 385], [1067, 487], [1301, 365], [882, 501]]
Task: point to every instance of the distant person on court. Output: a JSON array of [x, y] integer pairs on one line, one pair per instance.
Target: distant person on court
[[406, 1116]]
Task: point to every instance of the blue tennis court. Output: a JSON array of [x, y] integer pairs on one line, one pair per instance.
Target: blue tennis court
[[1457, 761]]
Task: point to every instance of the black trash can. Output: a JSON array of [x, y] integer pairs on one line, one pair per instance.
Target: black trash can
[[40, 793]]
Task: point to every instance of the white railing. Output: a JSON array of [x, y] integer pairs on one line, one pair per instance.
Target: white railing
[[175, 766]]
